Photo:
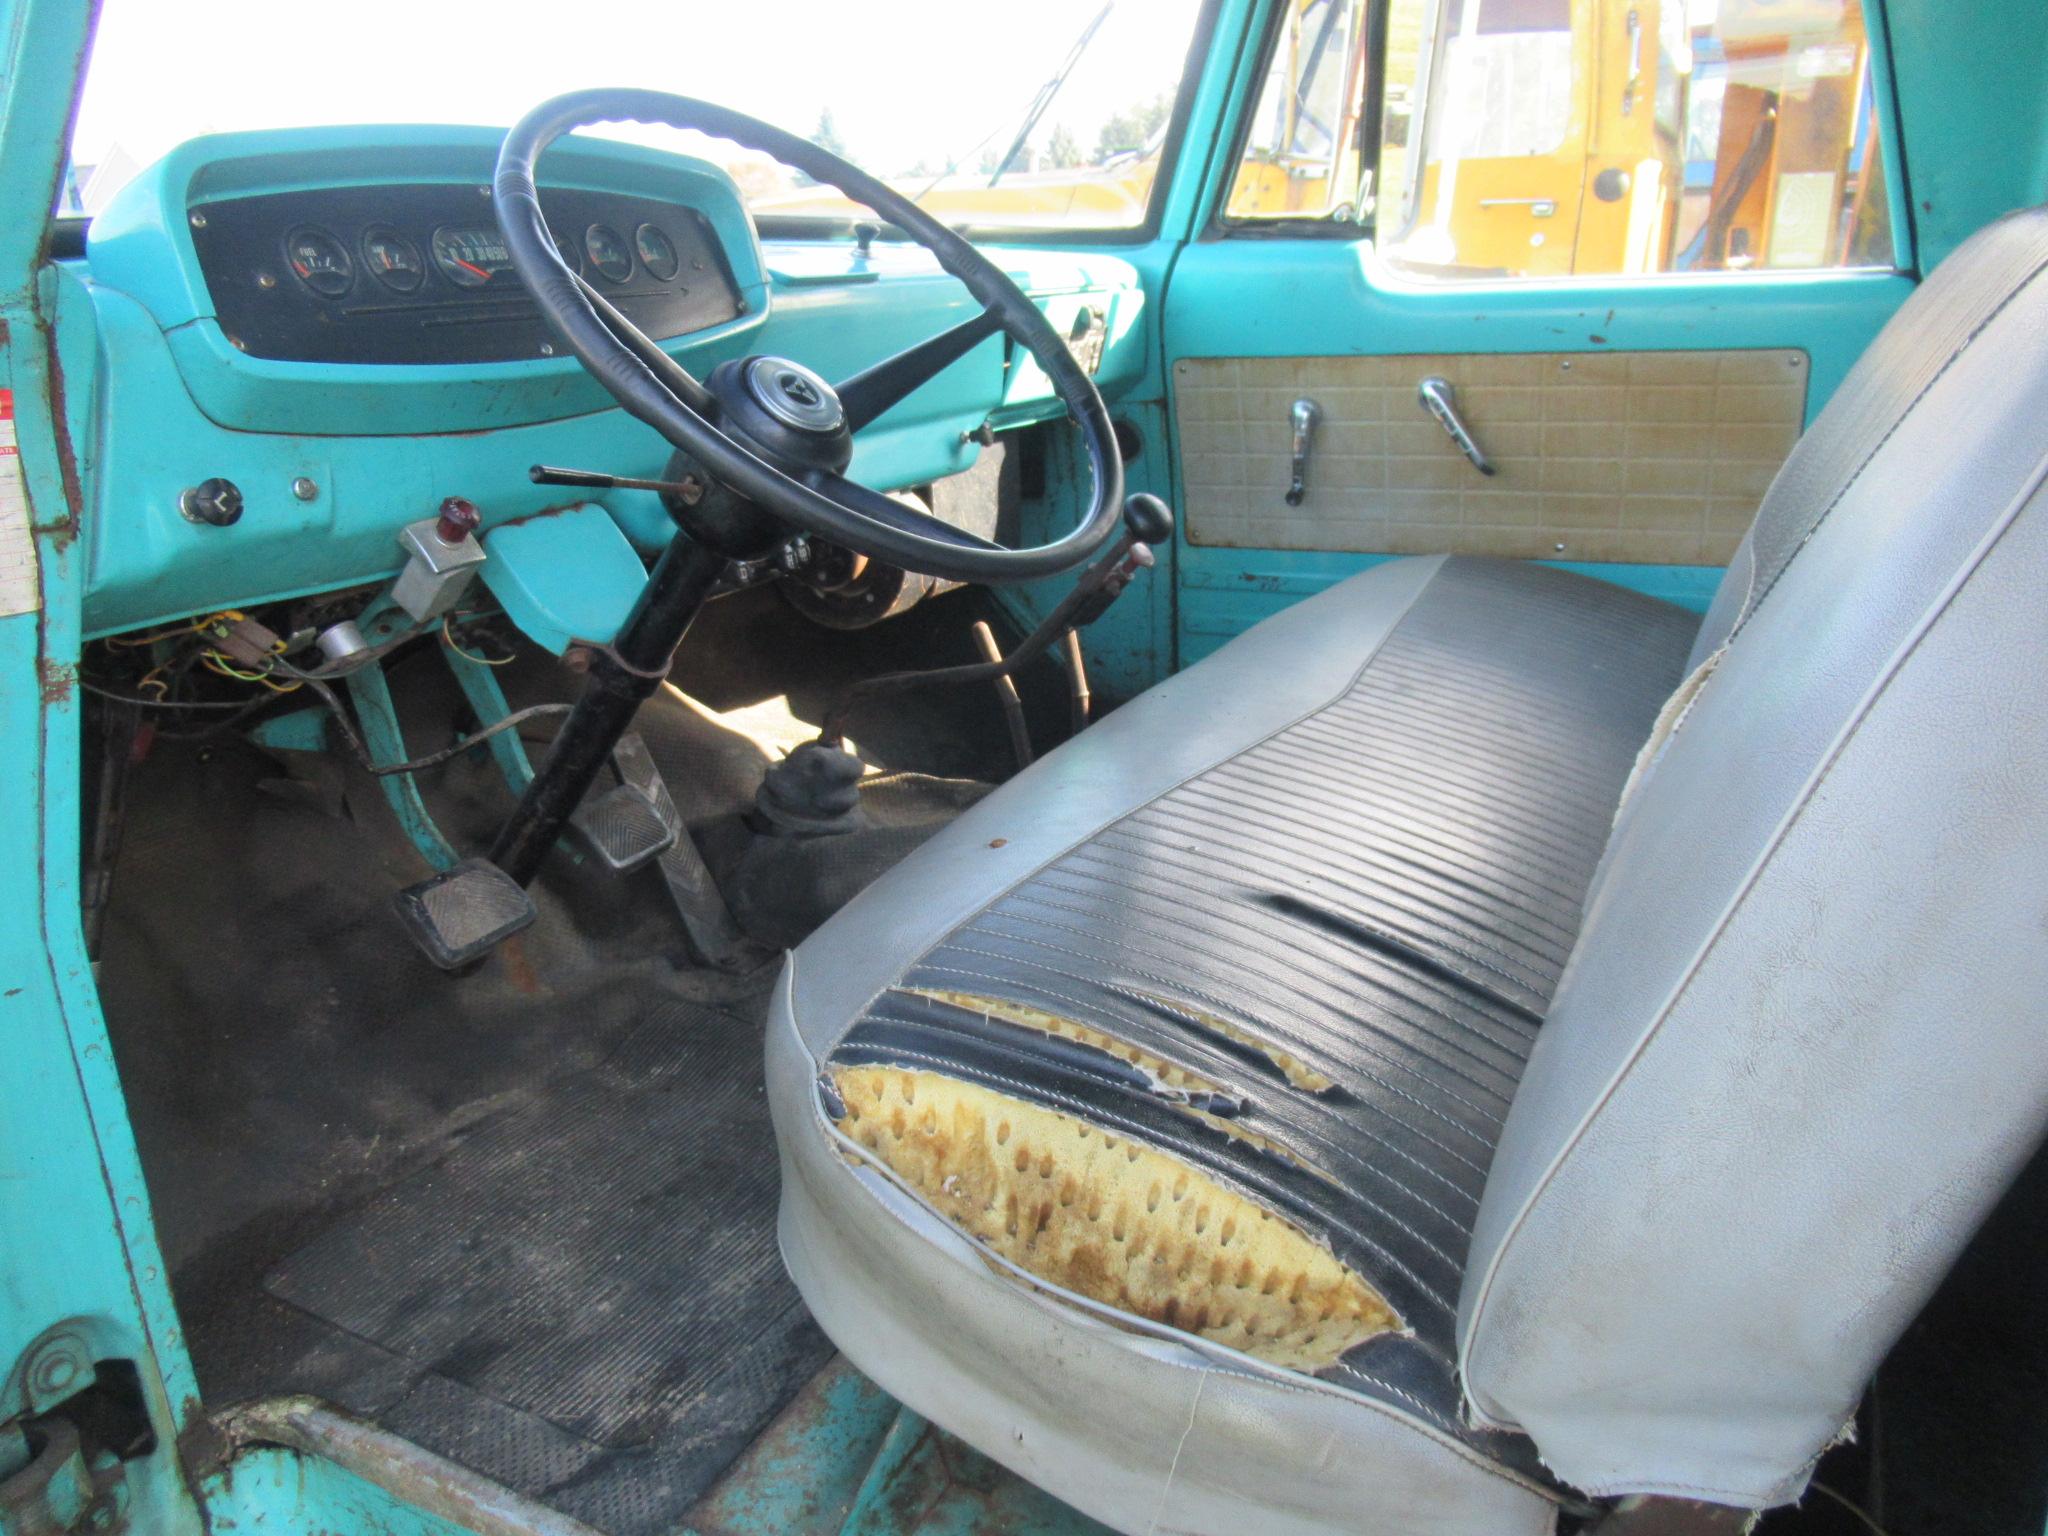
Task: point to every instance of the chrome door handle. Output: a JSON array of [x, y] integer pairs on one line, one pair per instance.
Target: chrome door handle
[[1440, 399], [1539, 207], [1303, 417]]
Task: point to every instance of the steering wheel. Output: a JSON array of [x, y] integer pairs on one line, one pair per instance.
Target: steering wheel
[[771, 430]]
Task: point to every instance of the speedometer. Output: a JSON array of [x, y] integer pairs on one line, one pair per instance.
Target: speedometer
[[470, 258]]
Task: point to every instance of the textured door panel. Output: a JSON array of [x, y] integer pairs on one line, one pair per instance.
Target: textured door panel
[[1656, 458]]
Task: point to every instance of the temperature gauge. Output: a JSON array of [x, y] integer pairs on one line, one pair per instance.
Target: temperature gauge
[[393, 259], [319, 261], [608, 253], [470, 258], [657, 253]]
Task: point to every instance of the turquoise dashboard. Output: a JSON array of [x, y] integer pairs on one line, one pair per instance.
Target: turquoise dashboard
[[184, 361]]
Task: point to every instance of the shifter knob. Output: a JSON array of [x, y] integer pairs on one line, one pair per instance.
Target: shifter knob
[[1148, 518]]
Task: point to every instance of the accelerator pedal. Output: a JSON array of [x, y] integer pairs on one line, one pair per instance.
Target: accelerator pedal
[[714, 937], [461, 914]]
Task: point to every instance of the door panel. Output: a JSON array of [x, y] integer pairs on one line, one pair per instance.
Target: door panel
[[1651, 458], [1311, 316]]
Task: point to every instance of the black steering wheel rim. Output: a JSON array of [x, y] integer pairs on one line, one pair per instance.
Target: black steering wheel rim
[[632, 369]]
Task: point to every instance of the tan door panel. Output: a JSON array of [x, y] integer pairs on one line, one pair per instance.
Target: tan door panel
[[1657, 458]]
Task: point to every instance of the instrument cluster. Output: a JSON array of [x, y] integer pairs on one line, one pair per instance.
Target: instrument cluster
[[419, 273]]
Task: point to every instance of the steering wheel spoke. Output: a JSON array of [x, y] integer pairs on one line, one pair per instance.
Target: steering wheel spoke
[[873, 390], [876, 507]]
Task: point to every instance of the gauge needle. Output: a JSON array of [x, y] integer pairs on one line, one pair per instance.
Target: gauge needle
[[471, 266]]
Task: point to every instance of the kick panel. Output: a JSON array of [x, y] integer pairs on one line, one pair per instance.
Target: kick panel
[[1656, 458]]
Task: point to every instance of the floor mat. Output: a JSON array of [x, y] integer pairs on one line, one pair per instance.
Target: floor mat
[[601, 1256]]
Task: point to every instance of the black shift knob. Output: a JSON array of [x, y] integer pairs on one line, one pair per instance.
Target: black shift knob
[[1148, 518]]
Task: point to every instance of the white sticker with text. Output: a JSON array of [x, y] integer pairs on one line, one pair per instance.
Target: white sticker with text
[[20, 589]]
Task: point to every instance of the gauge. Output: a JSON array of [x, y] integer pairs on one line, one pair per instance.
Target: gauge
[[572, 258], [319, 261], [393, 259], [657, 252], [608, 253], [470, 258]]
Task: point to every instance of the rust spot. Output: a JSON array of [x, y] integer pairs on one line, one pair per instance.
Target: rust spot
[[202, 1448], [556, 510], [58, 679], [1000, 842], [519, 966], [63, 532]]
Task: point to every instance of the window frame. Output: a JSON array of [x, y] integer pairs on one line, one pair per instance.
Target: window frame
[[1221, 223], [1201, 43], [1217, 224]]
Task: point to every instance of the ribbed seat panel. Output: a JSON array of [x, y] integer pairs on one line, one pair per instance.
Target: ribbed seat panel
[[1353, 927]]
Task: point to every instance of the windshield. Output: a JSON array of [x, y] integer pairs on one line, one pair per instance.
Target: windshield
[[1056, 124]]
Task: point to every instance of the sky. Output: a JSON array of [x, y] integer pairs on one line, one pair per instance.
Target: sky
[[906, 80]]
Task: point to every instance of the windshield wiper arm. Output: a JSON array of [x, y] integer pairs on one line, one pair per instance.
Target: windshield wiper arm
[[1046, 92]]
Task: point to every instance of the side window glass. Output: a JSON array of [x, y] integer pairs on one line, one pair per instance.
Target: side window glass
[[1610, 138], [1304, 157]]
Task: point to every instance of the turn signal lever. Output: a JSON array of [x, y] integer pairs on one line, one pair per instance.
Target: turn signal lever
[[1147, 521]]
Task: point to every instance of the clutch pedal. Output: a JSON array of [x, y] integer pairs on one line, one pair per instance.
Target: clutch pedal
[[462, 913]]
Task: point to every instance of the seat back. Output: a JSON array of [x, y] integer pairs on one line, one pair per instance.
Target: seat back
[[1798, 1050]]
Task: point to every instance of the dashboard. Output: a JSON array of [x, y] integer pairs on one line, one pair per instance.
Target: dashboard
[[418, 273], [326, 318]]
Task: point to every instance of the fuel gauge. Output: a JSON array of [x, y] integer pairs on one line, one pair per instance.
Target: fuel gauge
[[393, 259], [319, 261]]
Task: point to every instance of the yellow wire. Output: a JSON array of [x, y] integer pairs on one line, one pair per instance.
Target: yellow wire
[[448, 639], [131, 642], [213, 661]]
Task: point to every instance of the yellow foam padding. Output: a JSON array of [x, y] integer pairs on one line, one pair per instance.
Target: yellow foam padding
[[1112, 1219], [1024, 1016], [1292, 1067]]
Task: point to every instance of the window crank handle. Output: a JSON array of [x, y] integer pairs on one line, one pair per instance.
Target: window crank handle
[[1303, 417], [1440, 399]]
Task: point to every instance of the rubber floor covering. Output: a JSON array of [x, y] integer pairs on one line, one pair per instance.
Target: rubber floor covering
[[600, 1257]]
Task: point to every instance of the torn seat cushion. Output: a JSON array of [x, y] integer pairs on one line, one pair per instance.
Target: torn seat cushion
[[1134, 1129]]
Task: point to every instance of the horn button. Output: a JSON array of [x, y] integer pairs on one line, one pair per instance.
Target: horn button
[[794, 395]]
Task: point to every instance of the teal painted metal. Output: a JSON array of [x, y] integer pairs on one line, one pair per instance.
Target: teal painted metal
[[1334, 297], [1971, 87], [74, 1212], [269, 1489], [148, 563], [377, 718], [141, 246], [564, 576], [302, 730], [479, 683]]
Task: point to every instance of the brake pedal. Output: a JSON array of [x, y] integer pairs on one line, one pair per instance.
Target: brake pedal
[[463, 913], [624, 828]]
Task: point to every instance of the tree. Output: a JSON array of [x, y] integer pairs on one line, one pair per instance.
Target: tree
[[1063, 150], [828, 137], [1132, 127]]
